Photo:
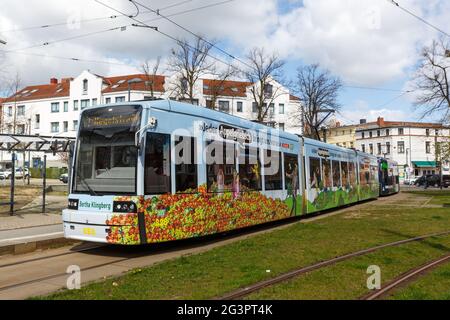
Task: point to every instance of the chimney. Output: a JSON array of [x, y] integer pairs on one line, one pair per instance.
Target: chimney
[[380, 121], [53, 81], [362, 121]]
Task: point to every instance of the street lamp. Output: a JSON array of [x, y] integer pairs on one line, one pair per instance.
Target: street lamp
[[130, 82]]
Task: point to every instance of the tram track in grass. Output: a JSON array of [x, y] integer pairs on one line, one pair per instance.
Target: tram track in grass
[[246, 291], [406, 277]]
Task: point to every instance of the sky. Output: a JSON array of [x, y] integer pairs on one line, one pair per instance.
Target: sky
[[366, 43]]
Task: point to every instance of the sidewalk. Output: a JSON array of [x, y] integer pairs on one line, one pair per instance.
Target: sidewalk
[[28, 220]]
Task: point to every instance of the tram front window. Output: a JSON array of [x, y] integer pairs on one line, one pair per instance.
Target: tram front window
[[106, 157]]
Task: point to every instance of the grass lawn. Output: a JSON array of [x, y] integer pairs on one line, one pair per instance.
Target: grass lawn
[[438, 197], [235, 265], [432, 286]]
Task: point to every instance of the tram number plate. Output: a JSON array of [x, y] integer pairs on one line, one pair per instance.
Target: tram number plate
[[89, 231]]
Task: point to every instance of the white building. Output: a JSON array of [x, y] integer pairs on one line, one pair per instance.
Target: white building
[[411, 144], [53, 109]]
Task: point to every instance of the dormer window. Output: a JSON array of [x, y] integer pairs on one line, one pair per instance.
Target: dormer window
[[85, 86]]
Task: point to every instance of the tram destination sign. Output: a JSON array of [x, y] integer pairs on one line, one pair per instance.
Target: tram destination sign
[[129, 116]]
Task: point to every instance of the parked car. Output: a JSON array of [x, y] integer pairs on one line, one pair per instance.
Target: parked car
[[64, 178], [6, 174], [410, 181]]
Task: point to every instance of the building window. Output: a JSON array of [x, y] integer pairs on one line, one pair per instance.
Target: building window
[[240, 106], [363, 148], [75, 105], [94, 102], [428, 147], [268, 90], [108, 100], [371, 148], [84, 104], [281, 126], [370, 134], [66, 106], [21, 129], [85, 86], [362, 134], [254, 107], [75, 125], [427, 132], [10, 111], [224, 106], [436, 132], [387, 132], [272, 109], [378, 133], [401, 146], [66, 126], [55, 107], [388, 148], [120, 99], [37, 121], [55, 127], [20, 111], [378, 148], [400, 131], [281, 106]]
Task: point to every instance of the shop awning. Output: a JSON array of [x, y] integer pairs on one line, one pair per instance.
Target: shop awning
[[424, 164]]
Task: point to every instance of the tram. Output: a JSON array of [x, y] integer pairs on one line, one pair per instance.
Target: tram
[[155, 171]]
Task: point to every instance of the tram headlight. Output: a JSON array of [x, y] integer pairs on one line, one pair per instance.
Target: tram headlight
[[124, 207], [73, 204]]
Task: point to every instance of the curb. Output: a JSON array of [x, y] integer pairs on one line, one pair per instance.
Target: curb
[[28, 247]]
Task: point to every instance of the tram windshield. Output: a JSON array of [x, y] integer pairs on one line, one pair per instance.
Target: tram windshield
[[106, 156]]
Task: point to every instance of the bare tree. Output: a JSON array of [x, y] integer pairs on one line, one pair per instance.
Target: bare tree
[[318, 91], [14, 87], [431, 80], [218, 86], [151, 71], [263, 70], [189, 62]]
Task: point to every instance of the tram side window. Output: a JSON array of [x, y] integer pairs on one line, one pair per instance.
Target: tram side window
[[315, 175], [326, 166], [157, 164], [220, 167], [249, 169], [352, 173], [273, 171], [373, 174], [291, 173], [364, 174], [345, 174], [336, 174], [186, 163]]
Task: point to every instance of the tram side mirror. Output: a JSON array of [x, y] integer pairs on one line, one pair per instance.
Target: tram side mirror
[[151, 124]]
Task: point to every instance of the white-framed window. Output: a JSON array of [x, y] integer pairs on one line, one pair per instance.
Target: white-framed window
[[84, 104], [281, 108], [108, 100], [120, 99], [281, 126], [37, 121], [10, 111], [271, 109], [94, 102], [254, 107], [54, 127], [75, 125], [239, 106], [75, 105], [55, 107], [66, 126], [224, 105], [85, 86], [20, 111], [428, 147], [66, 106], [21, 129], [401, 146]]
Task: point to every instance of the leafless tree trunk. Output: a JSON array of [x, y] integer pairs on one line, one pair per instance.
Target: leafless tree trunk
[[318, 91], [431, 80], [263, 70], [151, 71], [189, 62], [14, 87]]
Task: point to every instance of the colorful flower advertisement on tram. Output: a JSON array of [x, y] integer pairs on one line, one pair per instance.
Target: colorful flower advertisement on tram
[[330, 177], [369, 187]]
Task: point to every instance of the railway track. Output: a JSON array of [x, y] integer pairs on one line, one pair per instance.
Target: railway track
[[243, 292], [406, 277]]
